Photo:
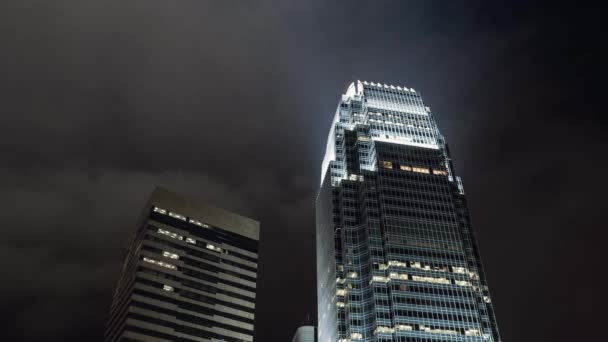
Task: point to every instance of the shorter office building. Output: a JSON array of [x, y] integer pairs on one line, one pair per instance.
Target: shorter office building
[[189, 275]]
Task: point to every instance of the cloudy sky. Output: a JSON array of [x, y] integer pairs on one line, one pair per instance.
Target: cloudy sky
[[230, 102]]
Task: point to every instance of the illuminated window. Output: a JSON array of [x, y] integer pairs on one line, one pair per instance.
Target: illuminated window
[[168, 288], [405, 167], [384, 330], [380, 279], [341, 292], [440, 172], [177, 216], [340, 304], [198, 223], [191, 240], [352, 274], [420, 169], [397, 263], [463, 283], [160, 263], [356, 336], [431, 280], [472, 332], [437, 331], [214, 248], [386, 164], [395, 275], [486, 299], [170, 234], [160, 210], [461, 270], [404, 327], [170, 255]]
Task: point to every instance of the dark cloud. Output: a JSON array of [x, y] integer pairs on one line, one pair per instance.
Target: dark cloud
[[230, 102]]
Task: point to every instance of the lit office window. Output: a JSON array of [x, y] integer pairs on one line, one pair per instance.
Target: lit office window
[[198, 223], [177, 216], [170, 234], [170, 255], [404, 327], [472, 332], [431, 280], [380, 279], [397, 263], [437, 330], [461, 270], [160, 210], [214, 248], [463, 283], [420, 169], [160, 263], [384, 330], [386, 164], [395, 275]]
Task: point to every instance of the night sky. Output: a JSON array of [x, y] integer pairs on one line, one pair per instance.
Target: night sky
[[230, 102]]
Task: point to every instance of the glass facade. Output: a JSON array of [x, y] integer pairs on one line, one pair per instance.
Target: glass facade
[[189, 275], [397, 259]]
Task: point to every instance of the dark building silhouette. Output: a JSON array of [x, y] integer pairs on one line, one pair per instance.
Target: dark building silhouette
[[189, 275], [397, 259]]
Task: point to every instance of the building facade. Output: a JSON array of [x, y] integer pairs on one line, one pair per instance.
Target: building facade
[[189, 275], [305, 333], [397, 259]]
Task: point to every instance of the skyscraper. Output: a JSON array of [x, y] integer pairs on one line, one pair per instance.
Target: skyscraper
[[189, 275], [397, 259]]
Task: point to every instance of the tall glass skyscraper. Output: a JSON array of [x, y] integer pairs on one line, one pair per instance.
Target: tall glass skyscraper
[[189, 275], [397, 259]]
